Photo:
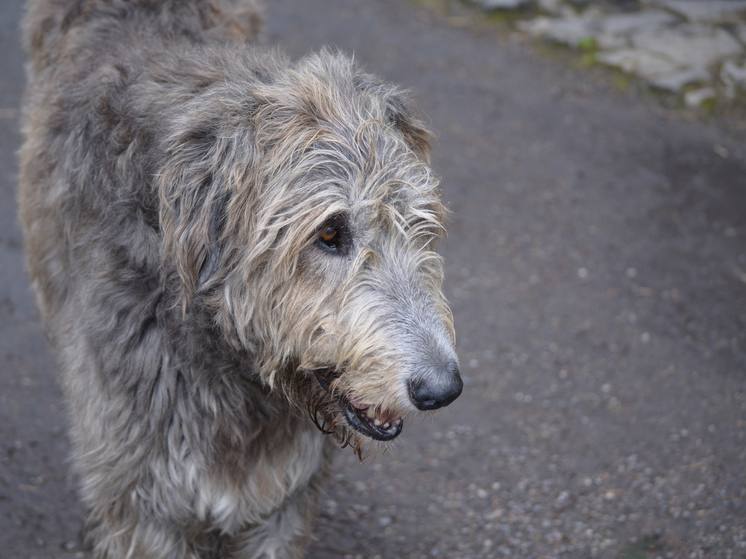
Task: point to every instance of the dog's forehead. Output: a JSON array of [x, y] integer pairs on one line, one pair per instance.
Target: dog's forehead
[[380, 187], [365, 166]]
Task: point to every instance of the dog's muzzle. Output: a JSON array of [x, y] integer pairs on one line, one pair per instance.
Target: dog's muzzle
[[430, 388]]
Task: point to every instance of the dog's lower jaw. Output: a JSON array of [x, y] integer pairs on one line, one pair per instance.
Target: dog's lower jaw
[[372, 425], [363, 418]]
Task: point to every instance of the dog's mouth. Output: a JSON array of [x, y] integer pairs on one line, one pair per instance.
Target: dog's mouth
[[365, 418]]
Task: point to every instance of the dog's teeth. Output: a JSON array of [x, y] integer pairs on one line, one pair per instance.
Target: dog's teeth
[[370, 412], [377, 422], [386, 425]]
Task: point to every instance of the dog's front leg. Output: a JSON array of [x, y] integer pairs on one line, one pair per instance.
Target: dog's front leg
[[283, 535]]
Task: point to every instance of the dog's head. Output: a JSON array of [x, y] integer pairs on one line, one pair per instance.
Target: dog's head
[[306, 217]]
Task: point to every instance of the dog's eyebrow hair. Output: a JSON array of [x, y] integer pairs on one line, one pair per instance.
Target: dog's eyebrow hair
[[174, 183]]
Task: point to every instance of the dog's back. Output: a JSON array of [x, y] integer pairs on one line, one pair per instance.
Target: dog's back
[[53, 28]]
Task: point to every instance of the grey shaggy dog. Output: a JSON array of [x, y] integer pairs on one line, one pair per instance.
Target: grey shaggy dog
[[234, 256]]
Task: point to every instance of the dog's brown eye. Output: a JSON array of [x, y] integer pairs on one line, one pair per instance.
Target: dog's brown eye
[[329, 235], [334, 236]]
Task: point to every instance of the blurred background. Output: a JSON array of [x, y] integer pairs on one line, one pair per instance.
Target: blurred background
[[592, 156]]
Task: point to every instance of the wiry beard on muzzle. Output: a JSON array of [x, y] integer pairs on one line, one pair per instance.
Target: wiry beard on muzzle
[[334, 415], [323, 407]]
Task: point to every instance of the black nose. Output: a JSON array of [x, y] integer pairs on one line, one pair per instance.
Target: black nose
[[436, 387]]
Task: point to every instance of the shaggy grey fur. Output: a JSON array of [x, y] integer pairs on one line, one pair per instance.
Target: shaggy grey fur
[[223, 242]]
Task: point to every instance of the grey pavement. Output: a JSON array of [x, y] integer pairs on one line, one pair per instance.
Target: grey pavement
[[596, 266], [695, 48]]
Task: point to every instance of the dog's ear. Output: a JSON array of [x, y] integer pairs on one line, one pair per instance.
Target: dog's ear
[[399, 114], [202, 172], [218, 208], [405, 119]]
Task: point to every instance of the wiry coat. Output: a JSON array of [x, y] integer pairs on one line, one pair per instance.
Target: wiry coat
[[173, 183]]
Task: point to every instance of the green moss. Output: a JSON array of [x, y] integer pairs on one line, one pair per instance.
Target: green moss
[[648, 544], [709, 105], [588, 59], [633, 553], [622, 81], [587, 45]]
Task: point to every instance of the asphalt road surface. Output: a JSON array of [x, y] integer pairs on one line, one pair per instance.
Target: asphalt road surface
[[596, 266]]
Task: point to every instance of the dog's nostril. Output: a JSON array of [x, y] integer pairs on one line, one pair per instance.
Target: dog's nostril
[[436, 387]]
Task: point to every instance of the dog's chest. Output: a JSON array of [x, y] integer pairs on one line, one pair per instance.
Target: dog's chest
[[273, 480]]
